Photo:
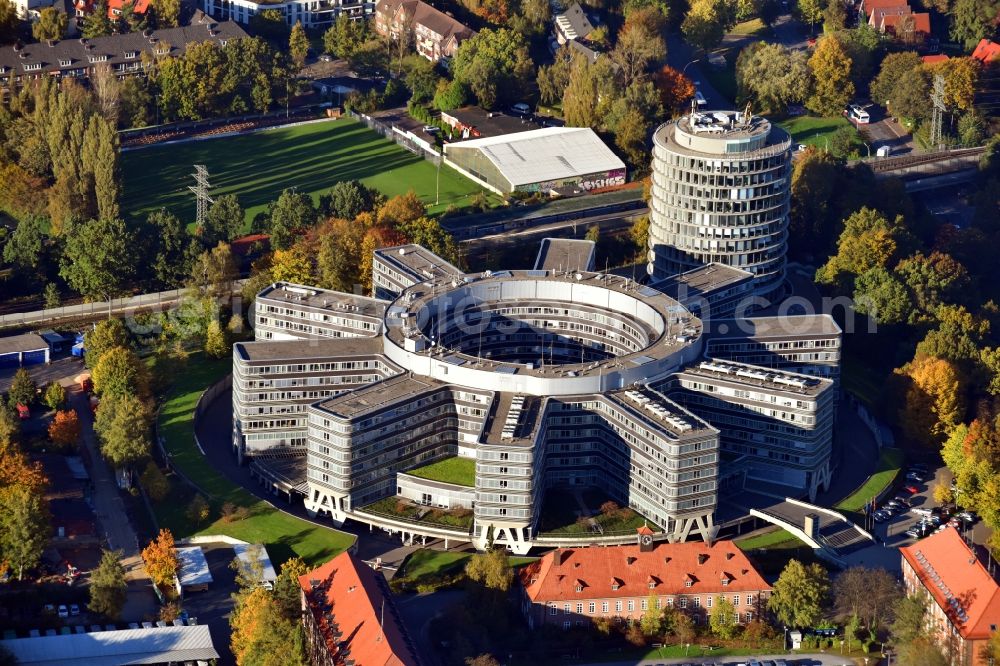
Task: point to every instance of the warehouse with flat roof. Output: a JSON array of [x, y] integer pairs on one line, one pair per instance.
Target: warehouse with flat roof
[[543, 160]]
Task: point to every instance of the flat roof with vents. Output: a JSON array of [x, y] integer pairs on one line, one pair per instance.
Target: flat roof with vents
[[547, 154]]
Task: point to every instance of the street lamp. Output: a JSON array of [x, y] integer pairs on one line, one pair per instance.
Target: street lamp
[[684, 69]]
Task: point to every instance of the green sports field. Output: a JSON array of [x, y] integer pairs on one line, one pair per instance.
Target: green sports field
[[257, 167]]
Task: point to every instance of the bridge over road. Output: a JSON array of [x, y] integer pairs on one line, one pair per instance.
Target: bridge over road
[[922, 165], [828, 532]]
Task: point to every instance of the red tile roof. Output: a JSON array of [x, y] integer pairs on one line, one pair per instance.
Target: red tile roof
[[956, 579], [352, 592], [87, 6], [872, 5], [930, 59], [558, 574], [986, 51], [921, 23], [875, 20]]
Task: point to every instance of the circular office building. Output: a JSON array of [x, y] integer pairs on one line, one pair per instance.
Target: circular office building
[[720, 193]]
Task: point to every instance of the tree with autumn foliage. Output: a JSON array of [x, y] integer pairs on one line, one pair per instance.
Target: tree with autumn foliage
[[160, 558], [934, 400], [64, 430], [675, 89]]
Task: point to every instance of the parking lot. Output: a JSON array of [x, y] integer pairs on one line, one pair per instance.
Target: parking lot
[[893, 532]]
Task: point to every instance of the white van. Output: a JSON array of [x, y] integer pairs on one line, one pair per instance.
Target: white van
[[858, 115]]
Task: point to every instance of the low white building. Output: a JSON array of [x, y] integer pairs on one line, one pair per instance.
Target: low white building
[[543, 160]]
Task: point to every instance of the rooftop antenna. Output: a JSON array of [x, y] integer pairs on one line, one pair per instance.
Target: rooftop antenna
[[200, 190]]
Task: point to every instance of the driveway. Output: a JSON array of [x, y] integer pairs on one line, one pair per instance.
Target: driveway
[[214, 606], [61, 370], [883, 130], [419, 610]]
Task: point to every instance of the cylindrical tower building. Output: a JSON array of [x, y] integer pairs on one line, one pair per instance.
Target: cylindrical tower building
[[720, 193]]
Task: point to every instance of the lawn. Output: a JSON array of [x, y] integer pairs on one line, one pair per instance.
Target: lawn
[[396, 507], [778, 538], [257, 167], [890, 461], [460, 471], [754, 27], [284, 535], [813, 131]]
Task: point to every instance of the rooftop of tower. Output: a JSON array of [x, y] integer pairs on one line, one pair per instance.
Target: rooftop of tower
[[731, 133], [314, 298]]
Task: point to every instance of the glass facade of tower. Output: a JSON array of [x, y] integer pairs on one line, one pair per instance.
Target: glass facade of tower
[[720, 193]]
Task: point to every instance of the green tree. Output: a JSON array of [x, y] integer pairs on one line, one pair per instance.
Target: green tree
[[421, 77], [344, 37], [8, 21], [24, 247], [450, 96], [173, 247], [972, 20], [166, 13], [908, 624], [834, 16], [108, 587], [98, 258], [287, 592], [213, 272], [118, 373], [492, 569], [881, 296], [260, 635], [869, 594], [772, 76], [135, 107], [104, 336], [290, 213], [55, 395], [591, 91], [933, 280], [298, 45], [800, 594], [216, 344], [198, 511], [831, 69], [810, 11], [638, 45], [51, 295], [122, 425], [97, 24], [223, 221], [51, 24], [910, 97], [24, 527], [895, 67], [971, 129], [651, 621], [934, 400], [154, 482], [348, 199], [705, 24], [723, 618], [868, 241], [22, 388], [495, 65], [369, 59], [429, 233]]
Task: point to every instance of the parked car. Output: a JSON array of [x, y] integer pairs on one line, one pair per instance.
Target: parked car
[[326, 57], [521, 109], [922, 511], [913, 490], [431, 129], [48, 608], [74, 610], [968, 516], [915, 476], [902, 500], [913, 533]]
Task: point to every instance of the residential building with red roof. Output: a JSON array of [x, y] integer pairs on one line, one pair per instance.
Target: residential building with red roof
[[908, 28], [575, 586], [964, 599], [986, 51], [350, 618], [932, 59], [86, 7]]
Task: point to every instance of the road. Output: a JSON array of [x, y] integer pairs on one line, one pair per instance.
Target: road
[[419, 610], [108, 505]]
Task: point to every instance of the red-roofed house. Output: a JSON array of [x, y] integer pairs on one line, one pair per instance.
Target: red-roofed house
[[573, 586], [986, 51], [908, 28], [85, 7], [964, 608], [931, 59], [350, 619], [869, 6]]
